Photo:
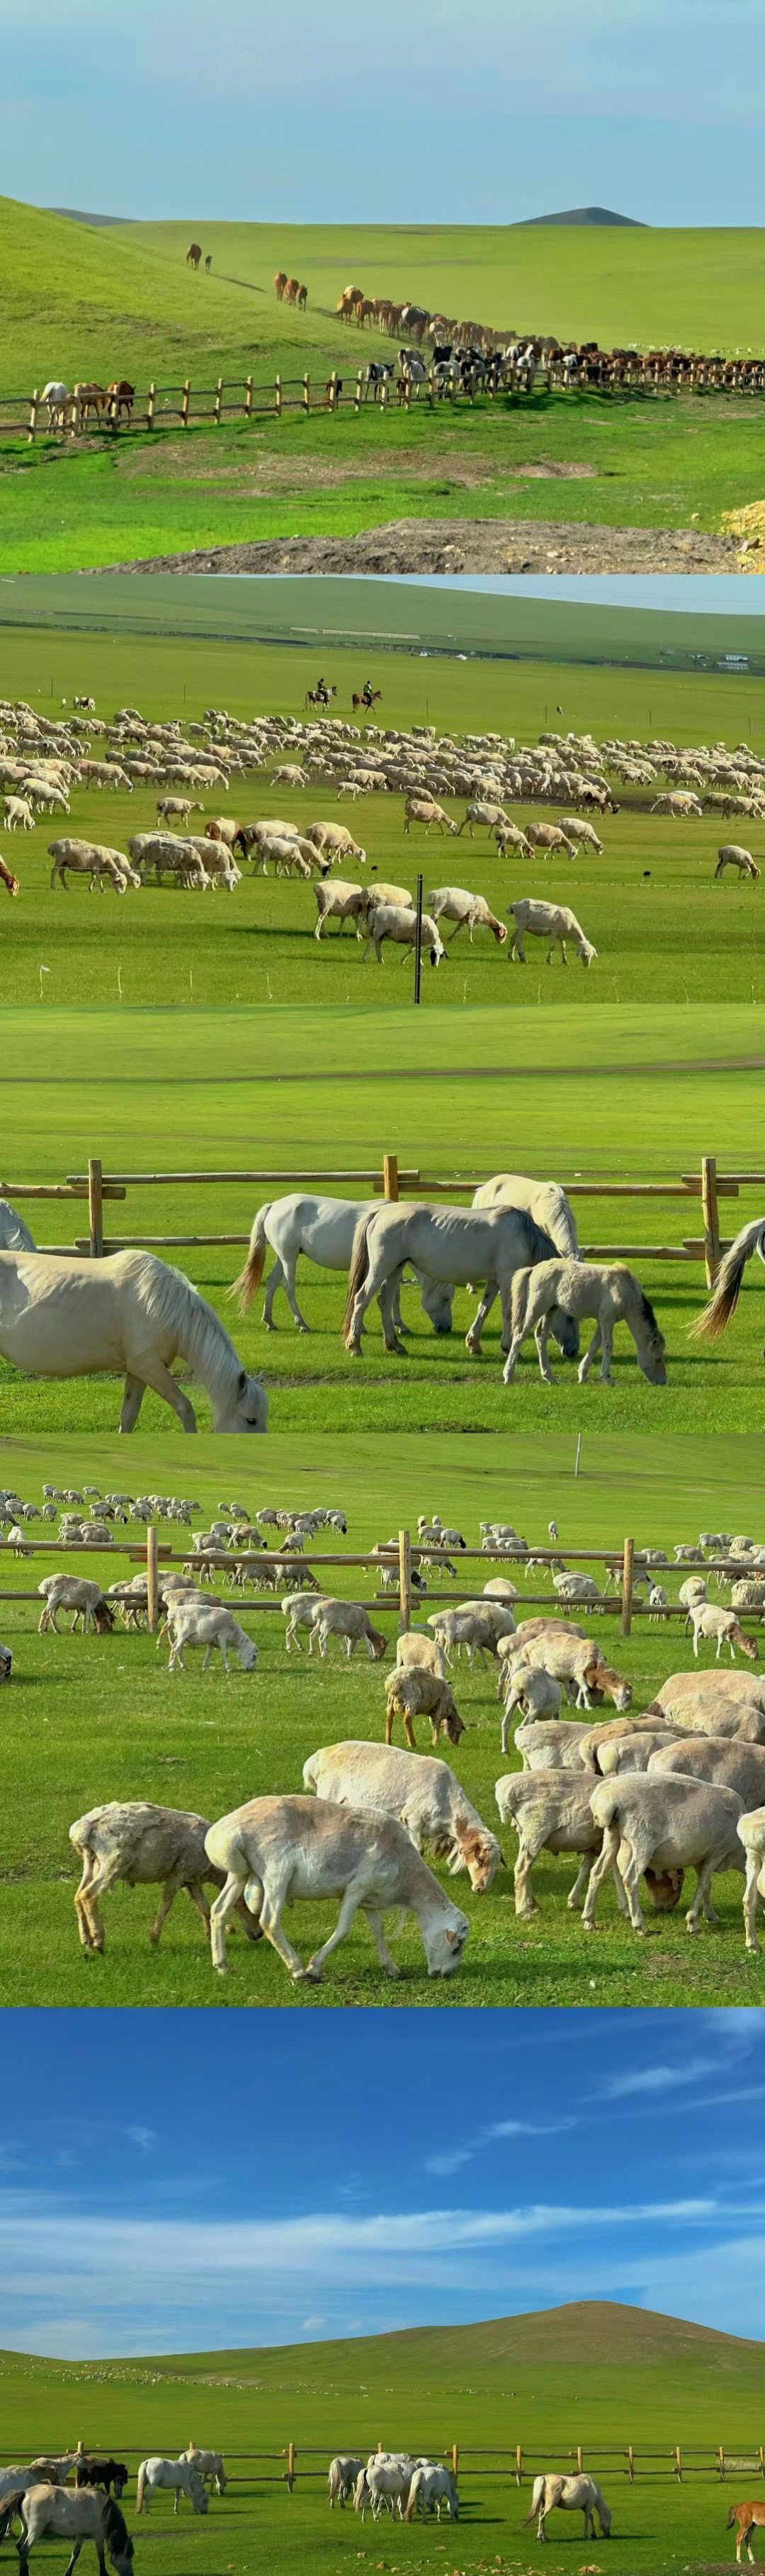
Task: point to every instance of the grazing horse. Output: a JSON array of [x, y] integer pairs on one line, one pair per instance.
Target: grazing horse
[[292, 290], [714, 1317], [746, 2516], [7, 878], [120, 397], [208, 2464], [193, 254], [70, 2514], [102, 2473], [578, 2494], [369, 698], [449, 1244], [62, 1317], [90, 398], [612, 1295], [324, 1230], [181, 2475], [40, 2472], [57, 396]]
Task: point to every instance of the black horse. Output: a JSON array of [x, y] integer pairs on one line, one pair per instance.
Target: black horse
[[103, 2473]]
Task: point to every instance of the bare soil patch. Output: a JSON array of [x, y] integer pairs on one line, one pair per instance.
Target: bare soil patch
[[260, 469], [469, 546]]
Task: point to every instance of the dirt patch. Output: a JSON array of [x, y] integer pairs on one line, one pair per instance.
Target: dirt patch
[[268, 474], [466, 545]]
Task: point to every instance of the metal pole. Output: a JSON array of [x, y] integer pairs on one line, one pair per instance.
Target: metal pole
[[418, 946]]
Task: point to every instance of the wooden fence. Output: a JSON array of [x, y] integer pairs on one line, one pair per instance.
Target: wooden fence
[[390, 1181], [511, 2464], [624, 1565]]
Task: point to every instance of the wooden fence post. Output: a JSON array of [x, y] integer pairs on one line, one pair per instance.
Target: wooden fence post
[[185, 403], [33, 409], [711, 1218], [291, 2468], [761, 2458], [359, 382], [96, 1209], [306, 393], [248, 399], [721, 2459], [150, 407], [519, 2464], [278, 393], [631, 2469], [629, 1553], [390, 1175], [455, 2459], [580, 2458], [218, 401], [678, 2464], [333, 390], [151, 1578], [404, 1582]]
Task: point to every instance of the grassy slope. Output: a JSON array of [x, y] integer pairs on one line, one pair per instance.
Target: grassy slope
[[595, 2372], [496, 1096], [665, 932], [123, 301], [88, 1722]]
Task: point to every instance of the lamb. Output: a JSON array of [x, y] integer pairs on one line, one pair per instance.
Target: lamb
[[550, 921], [71, 1592], [535, 1693], [300, 1609], [579, 1663], [276, 1850], [751, 1831], [417, 1653], [17, 814], [146, 1846], [393, 921], [415, 1691], [732, 855], [340, 901], [209, 1626], [665, 1825], [350, 1620], [469, 911], [421, 1793], [551, 1811], [708, 1621]]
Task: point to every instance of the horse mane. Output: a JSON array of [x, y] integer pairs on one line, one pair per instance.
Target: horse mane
[[649, 1318], [540, 1245], [202, 1339], [115, 2526]]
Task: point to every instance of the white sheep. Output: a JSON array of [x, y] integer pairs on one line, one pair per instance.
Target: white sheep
[[709, 1621], [71, 1592], [421, 1793], [146, 1846], [469, 911], [277, 1850], [751, 1832], [209, 1626], [349, 1620], [551, 921], [662, 1825]]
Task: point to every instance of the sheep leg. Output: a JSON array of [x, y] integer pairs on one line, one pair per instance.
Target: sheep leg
[[84, 1927], [169, 1892], [525, 1901], [103, 1877], [576, 1894], [606, 1861], [219, 1914], [351, 1901], [702, 1896], [750, 1901], [376, 1928]]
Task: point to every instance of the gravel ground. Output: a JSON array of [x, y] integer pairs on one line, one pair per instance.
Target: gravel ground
[[470, 546]]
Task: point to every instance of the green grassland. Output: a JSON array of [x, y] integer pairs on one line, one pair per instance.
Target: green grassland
[[635, 1094], [592, 2369], [88, 1720], [592, 2372], [663, 929], [79, 301]]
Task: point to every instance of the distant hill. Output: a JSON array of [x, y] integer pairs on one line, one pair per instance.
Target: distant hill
[[75, 217], [575, 215]]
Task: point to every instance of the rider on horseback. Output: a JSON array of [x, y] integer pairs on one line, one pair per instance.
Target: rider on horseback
[[367, 694], [322, 692]]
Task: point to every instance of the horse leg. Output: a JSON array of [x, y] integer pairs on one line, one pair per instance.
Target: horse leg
[[160, 1378], [132, 1400], [275, 1280], [473, 1337], [590, 1355], [289, 1269]]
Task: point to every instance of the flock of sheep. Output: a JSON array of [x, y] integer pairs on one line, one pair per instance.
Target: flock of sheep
[[42, 760], [630, 1796]]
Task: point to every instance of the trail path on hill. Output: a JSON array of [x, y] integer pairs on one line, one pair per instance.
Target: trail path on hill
[[466, 546]]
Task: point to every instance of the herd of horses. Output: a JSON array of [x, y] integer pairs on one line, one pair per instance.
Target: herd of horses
[[72, 405]]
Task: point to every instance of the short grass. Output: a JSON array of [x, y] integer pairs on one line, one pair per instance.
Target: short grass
[[88, 1720], [664, 930], [79, 302], [596, 2373], [626, 1094]]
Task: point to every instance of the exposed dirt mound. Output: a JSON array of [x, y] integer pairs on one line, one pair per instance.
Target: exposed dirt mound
[[467, 545]]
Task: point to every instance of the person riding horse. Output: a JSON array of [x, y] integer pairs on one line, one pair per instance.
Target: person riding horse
[[321, 692], [367, 694]]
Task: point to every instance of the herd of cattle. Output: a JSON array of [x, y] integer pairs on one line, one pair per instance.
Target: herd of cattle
[[44, 761], [630, 1795]]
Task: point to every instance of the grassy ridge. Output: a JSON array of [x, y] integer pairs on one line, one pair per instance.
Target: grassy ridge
[[591, 2371], [85, 1721]]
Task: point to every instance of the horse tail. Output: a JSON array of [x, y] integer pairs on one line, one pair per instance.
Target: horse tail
[[536, 2499], [250, 1277], [359, 1254], [413, 2494], [140, 2489], [714, 1317], [731, 2517]]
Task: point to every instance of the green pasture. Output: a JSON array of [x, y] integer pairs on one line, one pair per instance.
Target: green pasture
[[635, 1094], [664, 930], [594, 2372], [88, 1720], [79, 301]]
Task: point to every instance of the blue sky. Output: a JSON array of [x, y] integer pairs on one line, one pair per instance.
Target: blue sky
[[425, 111], [699, 594], [180, 2181]]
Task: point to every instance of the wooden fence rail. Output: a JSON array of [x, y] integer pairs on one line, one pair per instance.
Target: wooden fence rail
[[392, 1181], [511, 2463]]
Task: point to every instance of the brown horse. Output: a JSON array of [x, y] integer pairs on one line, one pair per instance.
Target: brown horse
[[292, 290], [746, 2515], [121, 397], [8, 879], [302, 298], [375, 698], [193, 254], [91, 398], [279, 284]]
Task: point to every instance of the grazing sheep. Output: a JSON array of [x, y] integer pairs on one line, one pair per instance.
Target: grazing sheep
[[701, 1701], [17, 814], [392, 921], [635, 1751], [553, 1744], [708, 1621], [88, 858], [535, 1693], [469, 911], [300, 1609], [579, 1663], [71, 1592], [337, 900], [470, 1626], [421, 809], [725, 1760], [416, 1692], [417, 1653], [662, 1825], [422, 1794], [733, 856], [550, 921], [578, 1587], [146, 1846], [347, 1619], [277, 1850], [209, 1626], [550, 1811]]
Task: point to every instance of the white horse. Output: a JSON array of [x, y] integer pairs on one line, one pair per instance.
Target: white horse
[[323, 1229], [208, 2464], [433, 2485], [614, 1296], [546, 1201], [722, 1305], [48, 2472], [576, 2494], [76, 2514], [14, 1234], [178, 2474], [129, 1313], [58, 397], [449, 1243]]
